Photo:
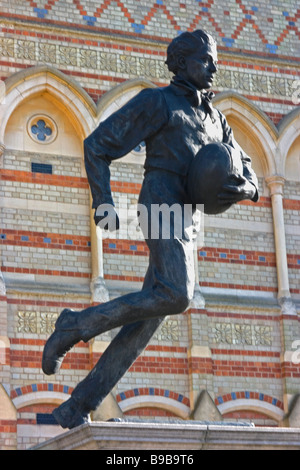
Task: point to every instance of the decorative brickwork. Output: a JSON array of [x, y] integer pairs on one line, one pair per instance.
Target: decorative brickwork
[[267, 28], [40, 388]]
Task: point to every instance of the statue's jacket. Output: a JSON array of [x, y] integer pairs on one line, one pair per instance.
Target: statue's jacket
[[174, 122]]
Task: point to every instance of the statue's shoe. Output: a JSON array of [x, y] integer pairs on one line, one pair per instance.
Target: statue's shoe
[[69, 416], [65, 336]]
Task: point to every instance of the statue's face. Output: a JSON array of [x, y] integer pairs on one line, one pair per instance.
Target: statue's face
[[200, 67]]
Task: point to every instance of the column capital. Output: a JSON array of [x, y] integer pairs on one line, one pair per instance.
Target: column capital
[[275, 184]]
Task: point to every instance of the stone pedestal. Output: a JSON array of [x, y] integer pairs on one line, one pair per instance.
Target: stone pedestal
[[136, 436]]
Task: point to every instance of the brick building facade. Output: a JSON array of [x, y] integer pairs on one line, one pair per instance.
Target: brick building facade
[[64, 67]]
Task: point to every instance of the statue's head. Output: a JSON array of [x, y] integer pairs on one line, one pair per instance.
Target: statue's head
[[197, 46]]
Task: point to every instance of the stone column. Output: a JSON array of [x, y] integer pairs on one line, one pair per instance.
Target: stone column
[[98, 288], [276, 184], [290, 332], [198, 300]]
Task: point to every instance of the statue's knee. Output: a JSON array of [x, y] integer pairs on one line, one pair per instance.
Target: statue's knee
[[181, 302]]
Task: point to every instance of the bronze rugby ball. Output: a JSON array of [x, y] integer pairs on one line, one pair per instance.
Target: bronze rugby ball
[[215, 165]]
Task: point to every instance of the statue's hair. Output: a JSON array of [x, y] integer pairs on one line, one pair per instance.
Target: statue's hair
[[186, 44]]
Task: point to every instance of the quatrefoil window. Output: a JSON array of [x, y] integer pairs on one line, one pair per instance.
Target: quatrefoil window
[[42, 129]]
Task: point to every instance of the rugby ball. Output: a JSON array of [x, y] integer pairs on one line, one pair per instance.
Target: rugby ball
[[215, 165]]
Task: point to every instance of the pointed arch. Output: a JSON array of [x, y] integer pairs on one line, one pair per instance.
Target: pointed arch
[[289, 131], [255, 123], [43, 78]]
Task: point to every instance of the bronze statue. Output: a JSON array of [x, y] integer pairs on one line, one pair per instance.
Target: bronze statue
[[175, 122]]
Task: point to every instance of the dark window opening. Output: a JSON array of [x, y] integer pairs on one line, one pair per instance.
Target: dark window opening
[[45, 418], [41, 168]]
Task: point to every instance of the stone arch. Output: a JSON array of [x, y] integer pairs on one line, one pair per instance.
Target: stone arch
[[254, 123], [251, 401], [289, 133], [38, 400], [166, 400], [40, 393], [77, 104]]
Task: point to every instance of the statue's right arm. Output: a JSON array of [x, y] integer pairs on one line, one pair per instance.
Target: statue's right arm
[[115, 137]]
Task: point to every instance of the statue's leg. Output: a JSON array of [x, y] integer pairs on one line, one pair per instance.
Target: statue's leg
[[114, 362], [170, 292], [125, 347]]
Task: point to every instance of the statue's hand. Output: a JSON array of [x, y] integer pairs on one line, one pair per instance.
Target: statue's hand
[[240, 191], [106, 217]]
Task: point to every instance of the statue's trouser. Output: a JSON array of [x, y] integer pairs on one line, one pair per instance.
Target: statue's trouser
[[167, 290], [124, 349]]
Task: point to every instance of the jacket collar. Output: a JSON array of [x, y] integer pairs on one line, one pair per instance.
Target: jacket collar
[[183, 87]]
